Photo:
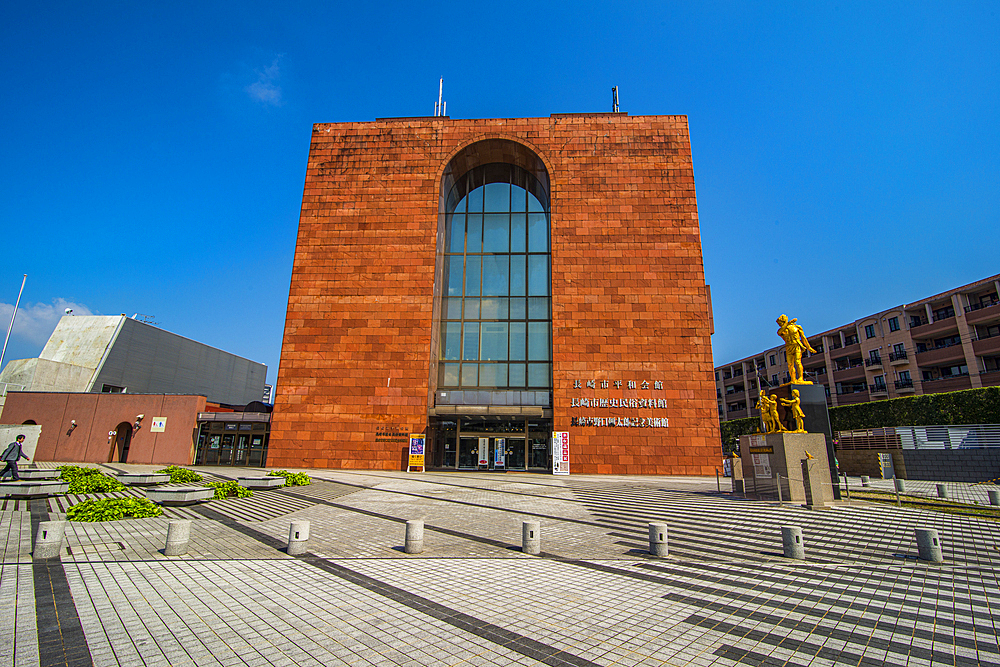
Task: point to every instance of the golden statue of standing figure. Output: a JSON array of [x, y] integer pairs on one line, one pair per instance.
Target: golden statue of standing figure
[[796, 408], [795, 344]]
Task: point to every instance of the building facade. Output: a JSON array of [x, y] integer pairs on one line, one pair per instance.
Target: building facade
[[485, 283], [946, 342]]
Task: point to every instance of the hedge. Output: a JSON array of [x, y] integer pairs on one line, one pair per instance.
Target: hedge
[[971, 406]]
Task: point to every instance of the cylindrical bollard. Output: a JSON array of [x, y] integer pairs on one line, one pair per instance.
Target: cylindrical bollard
[[791, 542], [298, 537], [658, 540], [865, 480], [994, 497], [779, 488], [178, 534], [942, 491], [49, 539], [900, 485], [929, 545], [414, 536], [531, 537]]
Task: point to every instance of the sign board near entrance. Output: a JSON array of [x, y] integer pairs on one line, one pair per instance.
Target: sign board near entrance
[[560, 452], [484, 452], [416, 452], [499, 453]]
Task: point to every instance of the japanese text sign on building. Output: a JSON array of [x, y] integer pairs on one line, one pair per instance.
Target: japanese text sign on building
[[500, 453]]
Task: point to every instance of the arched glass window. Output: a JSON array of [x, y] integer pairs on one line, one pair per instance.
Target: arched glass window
[[496, 315]]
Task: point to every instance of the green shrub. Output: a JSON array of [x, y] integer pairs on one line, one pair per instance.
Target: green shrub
[[732, 430], [226, 489], [112, 509], [88, 480], [292, 478], [181, 475]]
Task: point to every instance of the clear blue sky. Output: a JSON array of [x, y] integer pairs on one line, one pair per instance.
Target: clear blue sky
[[153, 155]]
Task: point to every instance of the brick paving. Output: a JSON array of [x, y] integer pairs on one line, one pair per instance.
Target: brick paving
[[725, 596]]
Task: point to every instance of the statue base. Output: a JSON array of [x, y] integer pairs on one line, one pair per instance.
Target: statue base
[[781, 458], [812, 401]]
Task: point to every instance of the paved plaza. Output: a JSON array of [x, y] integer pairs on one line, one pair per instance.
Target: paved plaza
[[724, 596]]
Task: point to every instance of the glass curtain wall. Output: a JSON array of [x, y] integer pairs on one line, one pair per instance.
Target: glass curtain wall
[[496, 316]]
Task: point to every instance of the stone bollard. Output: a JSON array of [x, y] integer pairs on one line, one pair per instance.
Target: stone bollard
[[298, 537], [942, 491], [531, 537], [900, 485], [49, 539], [791, 542], [866, 480], [929, 545], [414, 536], [658, 540], [994, 497], [178, 534]]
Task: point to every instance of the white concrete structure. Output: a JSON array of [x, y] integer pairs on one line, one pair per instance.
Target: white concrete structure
[[117, 354]]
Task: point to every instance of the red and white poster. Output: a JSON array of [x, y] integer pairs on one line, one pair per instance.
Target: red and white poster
[[560, 452]]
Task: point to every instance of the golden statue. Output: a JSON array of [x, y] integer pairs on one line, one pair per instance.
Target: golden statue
[[795, 404], [795, 343], [769, 413]]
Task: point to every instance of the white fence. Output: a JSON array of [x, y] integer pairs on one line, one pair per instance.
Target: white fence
[[973, 436]]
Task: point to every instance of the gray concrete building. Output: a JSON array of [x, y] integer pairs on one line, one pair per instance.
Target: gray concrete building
[[118, 354]]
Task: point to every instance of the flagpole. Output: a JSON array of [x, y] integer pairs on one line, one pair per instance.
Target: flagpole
[[12, 316]]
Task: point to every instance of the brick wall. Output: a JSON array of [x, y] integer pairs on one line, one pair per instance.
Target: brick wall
[[628, 291]]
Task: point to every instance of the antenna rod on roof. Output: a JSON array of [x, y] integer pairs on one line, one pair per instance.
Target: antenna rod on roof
[[614, 99], [12, 316], [439, 108]]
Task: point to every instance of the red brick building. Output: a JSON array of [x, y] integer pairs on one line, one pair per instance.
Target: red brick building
[[488, 282]]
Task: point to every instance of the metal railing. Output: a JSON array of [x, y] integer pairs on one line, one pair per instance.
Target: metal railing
[[904, 384], [974, 436], [895, 356], [878, 389], [877, 361], [979, 306]]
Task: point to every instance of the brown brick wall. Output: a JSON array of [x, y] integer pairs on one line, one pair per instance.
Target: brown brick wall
[[628, 290]]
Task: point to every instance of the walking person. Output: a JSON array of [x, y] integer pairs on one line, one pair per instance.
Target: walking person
[[11, 456]]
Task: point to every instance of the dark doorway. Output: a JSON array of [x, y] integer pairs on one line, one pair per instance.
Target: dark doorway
[[123, 438]]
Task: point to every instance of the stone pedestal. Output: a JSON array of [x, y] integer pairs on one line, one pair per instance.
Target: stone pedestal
[[812, 400], [803, 480]]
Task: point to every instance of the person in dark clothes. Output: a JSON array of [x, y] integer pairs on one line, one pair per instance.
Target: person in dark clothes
[[11, 456]]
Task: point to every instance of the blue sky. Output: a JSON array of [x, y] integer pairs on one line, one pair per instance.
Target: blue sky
[[847, 155]]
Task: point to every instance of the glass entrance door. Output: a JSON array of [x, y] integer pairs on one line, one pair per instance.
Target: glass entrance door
[[468, 453], [515, 454]]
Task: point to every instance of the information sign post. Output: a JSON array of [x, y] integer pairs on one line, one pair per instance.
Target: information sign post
[[416, 452], [560, 452]]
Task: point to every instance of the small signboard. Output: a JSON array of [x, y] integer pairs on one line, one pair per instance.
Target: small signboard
[[158, 425], [484, 452], [416, 452], [500, 453], [761, 466], [885, 466], [560, 452]]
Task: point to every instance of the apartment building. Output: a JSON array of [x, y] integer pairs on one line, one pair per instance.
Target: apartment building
[[946, 342]]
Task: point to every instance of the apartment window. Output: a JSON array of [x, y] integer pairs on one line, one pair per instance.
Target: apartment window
[[112, 389], [874, 357], [880, 382], [771, 359], [869, 331], [944, 313], [893, 324], [851, 339], [915, 321], [904, 376], [774, 380], [716, 376], [952, 371], [898, 348]]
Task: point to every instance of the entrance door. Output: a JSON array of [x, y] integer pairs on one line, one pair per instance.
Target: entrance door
[[515, 454], [468, 452], [123, 438], [226, 451], [539, 457], [242, 447]]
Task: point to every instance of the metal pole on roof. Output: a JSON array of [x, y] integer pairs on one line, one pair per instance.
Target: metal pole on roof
[[12, 316]]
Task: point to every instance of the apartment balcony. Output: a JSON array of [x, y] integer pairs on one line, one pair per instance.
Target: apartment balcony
[[946, 384], [848, 350], [813, 360], [898, 358], [940, 355], [735, 393], [976, 313], [736, 414], [853, 397], [873, 363], [935, 328], [990, 378], [986, 346], [855, 372], [878, 390], [904, 386]]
